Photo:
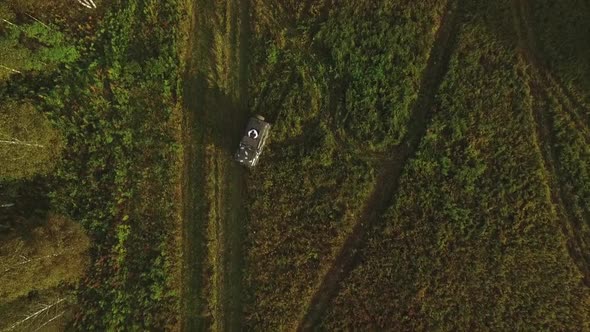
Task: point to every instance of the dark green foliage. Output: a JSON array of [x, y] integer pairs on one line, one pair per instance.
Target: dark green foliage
[[378, 50], [27, 45], [114, 109], [28, 204], [117, 175]]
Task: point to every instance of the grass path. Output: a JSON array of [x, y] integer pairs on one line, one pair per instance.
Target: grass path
[[214, 185]]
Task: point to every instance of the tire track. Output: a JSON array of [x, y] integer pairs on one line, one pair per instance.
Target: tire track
[[541, 83], [226, 114], [390, 169], [194, 206], [530, 50], [575, 244], [214, 185]]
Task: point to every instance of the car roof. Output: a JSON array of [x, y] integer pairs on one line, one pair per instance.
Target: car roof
[[255, 131]]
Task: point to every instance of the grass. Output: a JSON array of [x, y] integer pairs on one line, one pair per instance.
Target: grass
[[564, 100], [378, 88], [473, 226], [571, 154], [307, 194]]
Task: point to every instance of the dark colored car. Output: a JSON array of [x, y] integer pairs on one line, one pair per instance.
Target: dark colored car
[[253, 141]]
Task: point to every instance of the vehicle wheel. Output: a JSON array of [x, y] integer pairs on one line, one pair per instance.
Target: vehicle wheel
[[259, 117]]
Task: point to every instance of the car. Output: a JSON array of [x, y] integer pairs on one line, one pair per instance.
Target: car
[[253, 141]]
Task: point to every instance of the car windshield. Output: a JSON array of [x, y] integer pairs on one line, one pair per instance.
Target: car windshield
[[252, 138]]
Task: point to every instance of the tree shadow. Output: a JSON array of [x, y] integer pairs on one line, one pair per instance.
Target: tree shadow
[[26, 205], [554, 33], [212, 117], [217, 115]]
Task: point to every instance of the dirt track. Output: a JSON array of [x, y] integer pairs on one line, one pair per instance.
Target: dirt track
[[390, 170], [214, 186]]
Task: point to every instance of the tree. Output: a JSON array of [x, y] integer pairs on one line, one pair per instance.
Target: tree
[[13, 55], [53, 47], [32, 45], [47, 310], [29, 144], [7, 15], [48, 256]]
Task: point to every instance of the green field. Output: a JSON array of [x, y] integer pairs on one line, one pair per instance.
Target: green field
[[473, 226], [309, 195], [428, 165]]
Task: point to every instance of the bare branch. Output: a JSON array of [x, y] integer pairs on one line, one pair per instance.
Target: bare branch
[[19, 158], [15, 141], [35, 314], [84, 4], [87, 4], [49, 321], [11, 69], [27, 260], [39, 21], [9, 22]]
